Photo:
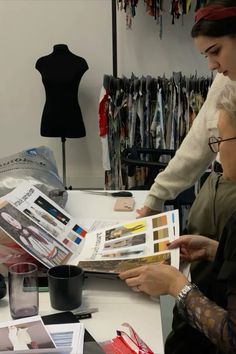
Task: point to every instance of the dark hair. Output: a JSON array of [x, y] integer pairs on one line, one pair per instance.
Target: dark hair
[[216, 28]]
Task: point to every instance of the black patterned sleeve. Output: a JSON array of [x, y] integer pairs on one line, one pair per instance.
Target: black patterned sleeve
[[218, 323]]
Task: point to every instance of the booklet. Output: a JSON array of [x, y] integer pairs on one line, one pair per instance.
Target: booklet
[[69, 335], [53, 237], [24, 334], [30, 334]]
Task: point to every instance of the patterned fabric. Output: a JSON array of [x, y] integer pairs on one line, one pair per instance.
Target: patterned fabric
[[217, 318], [216, 323], [145, 112]]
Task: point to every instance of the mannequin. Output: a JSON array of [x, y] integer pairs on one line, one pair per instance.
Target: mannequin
[[61, 73]]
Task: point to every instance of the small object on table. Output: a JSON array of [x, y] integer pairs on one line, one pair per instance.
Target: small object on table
[[110, 194], [86, 313], [3, 288], [124, 204]]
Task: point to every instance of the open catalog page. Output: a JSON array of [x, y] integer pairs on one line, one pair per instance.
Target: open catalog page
[[52, 236], [131, 244]]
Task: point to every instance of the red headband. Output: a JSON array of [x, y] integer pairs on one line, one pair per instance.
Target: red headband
[[214, 12]]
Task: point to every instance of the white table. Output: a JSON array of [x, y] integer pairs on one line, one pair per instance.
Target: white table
[[115, 301]]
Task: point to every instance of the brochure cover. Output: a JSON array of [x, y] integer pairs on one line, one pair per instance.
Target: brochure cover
[[53, 237]]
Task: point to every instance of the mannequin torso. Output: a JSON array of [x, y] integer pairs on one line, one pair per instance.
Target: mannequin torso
[[61, 74]]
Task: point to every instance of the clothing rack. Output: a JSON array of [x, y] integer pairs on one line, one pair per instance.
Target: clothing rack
[[119, 123], [114, 37], [146, 112]]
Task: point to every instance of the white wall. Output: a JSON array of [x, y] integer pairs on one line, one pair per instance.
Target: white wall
[[142, 51], [30, 28]]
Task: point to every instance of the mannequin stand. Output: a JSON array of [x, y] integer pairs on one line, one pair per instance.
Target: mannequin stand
[[63, 140]]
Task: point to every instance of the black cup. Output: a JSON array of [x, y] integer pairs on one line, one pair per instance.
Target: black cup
[[3, 288], [65, 284]]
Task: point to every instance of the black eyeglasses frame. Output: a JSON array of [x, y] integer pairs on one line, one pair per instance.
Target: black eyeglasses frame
[[217, 141]]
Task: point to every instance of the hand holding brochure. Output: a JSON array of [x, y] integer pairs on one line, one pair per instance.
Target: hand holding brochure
[[53, 237]]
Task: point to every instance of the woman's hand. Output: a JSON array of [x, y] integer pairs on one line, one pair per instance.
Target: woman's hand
[[195, 247], [155, 279], [146, 211]]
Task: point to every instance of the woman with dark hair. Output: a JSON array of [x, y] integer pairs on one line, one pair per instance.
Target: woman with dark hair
[[205, 316], [214, 34]]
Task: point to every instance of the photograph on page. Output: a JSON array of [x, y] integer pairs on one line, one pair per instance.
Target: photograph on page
[[24, 334], [30, 236]]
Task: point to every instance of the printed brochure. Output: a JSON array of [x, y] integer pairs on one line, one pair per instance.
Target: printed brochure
[[53, 237]]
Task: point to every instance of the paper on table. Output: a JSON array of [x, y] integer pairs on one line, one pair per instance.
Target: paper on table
[[95, 225], [68, 335], [31, 334], [25, 334]]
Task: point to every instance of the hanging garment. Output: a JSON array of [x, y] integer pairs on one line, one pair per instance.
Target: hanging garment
[[146, 113]]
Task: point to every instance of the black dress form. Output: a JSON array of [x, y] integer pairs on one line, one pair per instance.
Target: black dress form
[[61, 74]]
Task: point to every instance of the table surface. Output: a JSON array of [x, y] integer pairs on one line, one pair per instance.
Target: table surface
[[116, 303]]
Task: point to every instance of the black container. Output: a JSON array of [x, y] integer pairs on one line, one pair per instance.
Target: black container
[[65, 284], [3, 288]]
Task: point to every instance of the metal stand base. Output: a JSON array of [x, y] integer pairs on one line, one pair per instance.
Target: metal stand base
[[63, 140]]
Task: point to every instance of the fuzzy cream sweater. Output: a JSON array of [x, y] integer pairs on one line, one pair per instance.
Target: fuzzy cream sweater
[[194, 156]]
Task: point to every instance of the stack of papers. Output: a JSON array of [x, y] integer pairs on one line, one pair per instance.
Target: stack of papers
[[30, 334], [68, 335]]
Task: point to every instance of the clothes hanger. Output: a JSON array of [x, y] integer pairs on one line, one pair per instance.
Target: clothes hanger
[[106, 82]]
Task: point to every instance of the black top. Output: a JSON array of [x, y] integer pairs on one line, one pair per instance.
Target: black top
[[61, 74], [225, 260], [212, 212], [215, 320]]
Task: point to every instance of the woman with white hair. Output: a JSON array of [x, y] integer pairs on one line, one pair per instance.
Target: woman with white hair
[[210, 309]]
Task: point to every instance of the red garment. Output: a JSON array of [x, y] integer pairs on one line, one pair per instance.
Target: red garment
[[103, 112]]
